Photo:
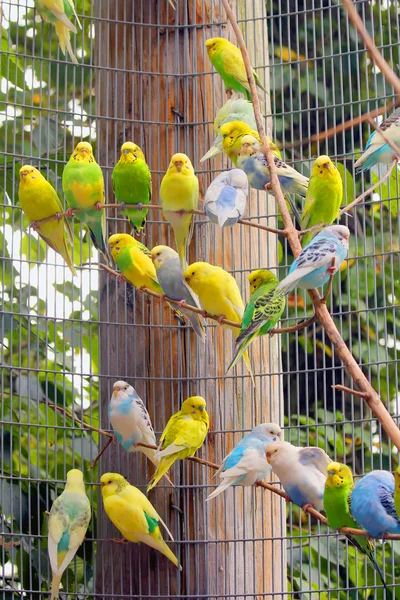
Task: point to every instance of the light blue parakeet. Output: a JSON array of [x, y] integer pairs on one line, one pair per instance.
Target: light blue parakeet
[[68, 521], [170, 277], [225, 199], [237, 109], [313, 267], [302, 472], [377, 149], [247, 463], [373, 505]]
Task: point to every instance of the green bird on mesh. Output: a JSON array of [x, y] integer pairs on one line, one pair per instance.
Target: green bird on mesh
[[83, 186], [59, 13], [262, 312], [338, 487], [131, 179]]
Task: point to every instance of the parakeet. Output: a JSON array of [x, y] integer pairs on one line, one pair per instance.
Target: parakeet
[[235, 109], [170, 277], [59, 13], [83, 186], [134, 261], [225, 199], [39, 200], [377, 150], [247, 463], [219, 295], [302, 472], [373, 506], [133, 515], [68, 521], [228, 62], [338, 487], [323, 198], [262, 312], [313, 266], [184, 434], [179, 191], [243, 147], [131, 179]]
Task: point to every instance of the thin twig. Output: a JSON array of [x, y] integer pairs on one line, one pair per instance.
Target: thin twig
[[344, 388], [94, 463], [75, 418], [372, 398], [369, 190], [376, 56]]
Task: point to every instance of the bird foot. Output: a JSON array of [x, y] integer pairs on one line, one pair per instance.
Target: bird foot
[[69, 212], [122, 206], [332, 270], [35, 225], [204, 314], [59, 216], [119, 541], [221, 319], [229, 93], [121, 278], [306, 506], [181, 303], [287, 499], [140, 206], [98, 206], [268, 186]]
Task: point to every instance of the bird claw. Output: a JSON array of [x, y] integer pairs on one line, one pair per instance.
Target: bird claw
[[181, 303], [140, 206], [121, 278], [287, 499], [59, 216], [69, 212], [122, 206], [221, 319], [35, 225], [98, 206], [306, 506], [332, 270], [204, 314], [119, 541]]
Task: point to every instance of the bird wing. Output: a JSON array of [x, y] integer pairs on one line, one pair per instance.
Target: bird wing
[[189, 433], [308, 204], [144, 423], [387, 500], [127, 513], [248, 459], [315, 456]]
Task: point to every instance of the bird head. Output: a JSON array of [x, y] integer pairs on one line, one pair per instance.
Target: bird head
[[272, 431], [324, 167], [195, 273], [260, 276], [213, 45], [341, 232], [194, 406], [83, 153], [131, 152], [339, 475], [29, 174], [232, 134], [180, 163], [75, 479], [112, 483], [119, 241], [162, 254], [122, 391], [277, 452]]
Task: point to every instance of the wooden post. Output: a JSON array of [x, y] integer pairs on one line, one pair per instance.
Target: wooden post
[[151, 87]]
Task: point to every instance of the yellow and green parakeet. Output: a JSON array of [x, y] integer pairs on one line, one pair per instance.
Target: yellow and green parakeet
[[180, 191], [219, 295], [228, 62], [39, 200], [134, 261], [184, 434], [323, 198], [131, 179], [133, 515], [262, 312], [59, 12], [83, 186], [338, 488], [68, 521]]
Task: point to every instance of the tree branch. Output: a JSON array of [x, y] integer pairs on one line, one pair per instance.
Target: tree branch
[[321, 312]]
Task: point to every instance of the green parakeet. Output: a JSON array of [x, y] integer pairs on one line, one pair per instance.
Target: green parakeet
[[83, 186], [338, 487], [59, 13], [131, 179]]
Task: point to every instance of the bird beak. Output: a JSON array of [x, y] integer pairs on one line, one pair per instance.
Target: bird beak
[[327, 166], [84, 150], [116, 390], [102, 484], [23, 174], [268, 456], [178, 165], [187, 279]]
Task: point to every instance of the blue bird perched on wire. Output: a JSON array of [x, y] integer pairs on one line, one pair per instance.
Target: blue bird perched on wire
[[377, 150]]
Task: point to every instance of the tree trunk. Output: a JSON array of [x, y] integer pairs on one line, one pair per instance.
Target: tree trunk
[[153, 85]]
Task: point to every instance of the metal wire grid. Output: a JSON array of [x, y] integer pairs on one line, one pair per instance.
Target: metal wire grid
[[52, 336]]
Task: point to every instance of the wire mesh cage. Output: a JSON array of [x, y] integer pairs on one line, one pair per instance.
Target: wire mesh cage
[[142, 74]]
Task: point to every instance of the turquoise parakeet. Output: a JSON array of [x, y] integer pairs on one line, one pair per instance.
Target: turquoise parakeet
[[68, 521], [83, 186], [133, 514], [235, 109], [59, 13], [262, 312], [377, 150], [338, 487], [323, 198], [131, 179], [179, 191], [228, 62], [184, 434]]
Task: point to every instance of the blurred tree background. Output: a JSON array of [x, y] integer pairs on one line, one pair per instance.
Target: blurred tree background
[[320, 76]]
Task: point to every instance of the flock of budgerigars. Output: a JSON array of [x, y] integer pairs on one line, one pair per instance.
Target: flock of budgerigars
[[308, 475]]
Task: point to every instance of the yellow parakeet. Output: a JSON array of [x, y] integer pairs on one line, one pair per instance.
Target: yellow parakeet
[[180, 191], [68, 521], [59, 12], [134, 261], [39, 200], [132, 513], [183, 436], [219, 295]]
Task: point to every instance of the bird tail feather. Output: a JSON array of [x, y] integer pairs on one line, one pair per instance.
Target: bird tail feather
[[241, 347], [161, 470], [248, 365], [197, 324], [99, 242], [150, 453], [64, 41], [221, 488], [213, 151], [55, 585]]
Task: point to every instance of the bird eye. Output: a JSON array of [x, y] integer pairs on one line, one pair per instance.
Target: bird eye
[[193, 273]]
